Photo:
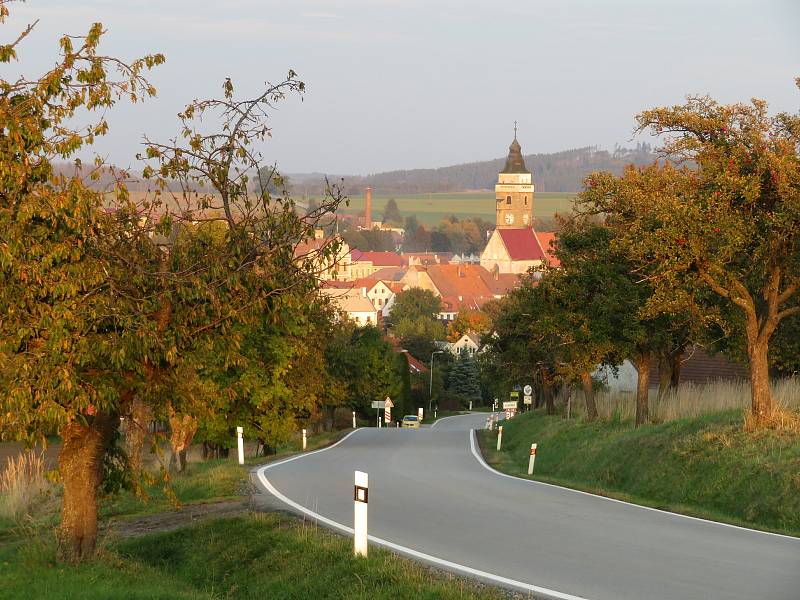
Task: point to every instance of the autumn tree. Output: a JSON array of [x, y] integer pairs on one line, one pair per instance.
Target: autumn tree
[[105, 301], [728, 220]]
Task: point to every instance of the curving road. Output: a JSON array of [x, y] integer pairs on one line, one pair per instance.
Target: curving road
[[432, 497]]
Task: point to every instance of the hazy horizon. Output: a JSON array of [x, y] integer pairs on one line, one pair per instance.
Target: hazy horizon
[[405, 85]]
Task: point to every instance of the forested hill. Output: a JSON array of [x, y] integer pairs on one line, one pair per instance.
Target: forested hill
[[558, 172]]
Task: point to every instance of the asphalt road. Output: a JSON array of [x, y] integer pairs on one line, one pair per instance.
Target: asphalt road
[[431, 497]]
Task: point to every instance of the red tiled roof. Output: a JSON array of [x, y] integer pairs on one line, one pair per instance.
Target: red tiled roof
[[547, 240], [382, 259], [521, 244]]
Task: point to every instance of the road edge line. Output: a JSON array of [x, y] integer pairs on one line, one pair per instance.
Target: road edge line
[[482, 461], [397, 547]]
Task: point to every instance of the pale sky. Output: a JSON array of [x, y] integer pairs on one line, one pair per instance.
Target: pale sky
[[397, 84]]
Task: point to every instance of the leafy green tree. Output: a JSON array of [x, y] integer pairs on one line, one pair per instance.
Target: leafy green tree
[[365, 363], [732, 224], [414, 316], [107, 302], [418, 335], [414, 303], [391, 214]]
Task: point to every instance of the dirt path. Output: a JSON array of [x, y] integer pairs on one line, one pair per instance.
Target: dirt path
[[186, 515]]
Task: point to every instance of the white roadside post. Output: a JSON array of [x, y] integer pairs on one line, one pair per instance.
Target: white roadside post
[[360, 501], [304, 439], [240, 443], [470, 404], [499, 437], [532, 459], [354, 419], [420, 413]]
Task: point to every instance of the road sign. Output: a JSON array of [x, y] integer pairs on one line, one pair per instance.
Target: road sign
[[512, 404], [388, 403], [528, 390], [514, 395], [528, 400], [377, 404]]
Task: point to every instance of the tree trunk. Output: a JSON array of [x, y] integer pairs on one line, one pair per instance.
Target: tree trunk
[[547, 392], [643, 388], [763, 404], [588, 394], [81, 463], [135, 429], [329, 417], [677, 363], [665, 365], [182, 430]]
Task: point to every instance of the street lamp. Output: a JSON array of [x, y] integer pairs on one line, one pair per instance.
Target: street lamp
[[430, 388]]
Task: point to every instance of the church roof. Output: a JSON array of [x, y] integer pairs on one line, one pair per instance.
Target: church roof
[[521, 244], [514, 162]]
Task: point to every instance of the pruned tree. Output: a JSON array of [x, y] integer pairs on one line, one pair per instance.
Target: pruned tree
[[728, 221]]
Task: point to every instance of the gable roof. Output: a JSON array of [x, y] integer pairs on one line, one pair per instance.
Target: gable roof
[[382, 259], [521, 244], [390, 273], [547, 240]]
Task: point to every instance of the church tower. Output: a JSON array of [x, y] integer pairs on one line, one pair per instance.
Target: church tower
[[514, 191]]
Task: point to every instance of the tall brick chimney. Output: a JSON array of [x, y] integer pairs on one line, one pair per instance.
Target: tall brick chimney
[[368, 208]]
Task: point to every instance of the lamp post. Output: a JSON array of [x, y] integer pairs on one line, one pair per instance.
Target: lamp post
[[430, 387]]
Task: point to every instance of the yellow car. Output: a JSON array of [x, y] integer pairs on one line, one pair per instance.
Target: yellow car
[[411, 421]]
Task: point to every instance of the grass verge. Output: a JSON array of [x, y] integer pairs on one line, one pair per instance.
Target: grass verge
[[252, 556], [705, 466]]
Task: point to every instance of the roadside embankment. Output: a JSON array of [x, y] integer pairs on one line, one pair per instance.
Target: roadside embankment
[[704, 466]]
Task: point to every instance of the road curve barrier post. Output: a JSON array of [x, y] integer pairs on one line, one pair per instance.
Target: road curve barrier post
[[499, 437], [305, 439], [240, 443], [360, 503], [354, 419], [532, 459]]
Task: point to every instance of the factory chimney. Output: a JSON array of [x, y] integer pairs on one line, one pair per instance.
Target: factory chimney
[[368, 208]]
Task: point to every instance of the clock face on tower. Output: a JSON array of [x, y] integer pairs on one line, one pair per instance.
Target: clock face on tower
[[509, 219]]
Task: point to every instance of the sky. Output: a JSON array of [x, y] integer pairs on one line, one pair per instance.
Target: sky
[[401, 84]]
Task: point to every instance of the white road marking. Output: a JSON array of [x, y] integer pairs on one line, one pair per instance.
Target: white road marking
[[494, 471], [396, 547]]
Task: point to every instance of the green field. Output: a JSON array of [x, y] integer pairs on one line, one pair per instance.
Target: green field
[[430, 209]]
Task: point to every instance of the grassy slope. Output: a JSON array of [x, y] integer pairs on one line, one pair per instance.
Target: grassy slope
[[253, 556], [705, 466], [462, 204]]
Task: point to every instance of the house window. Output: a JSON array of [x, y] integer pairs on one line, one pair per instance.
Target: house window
[[526, 200], [508, 199]]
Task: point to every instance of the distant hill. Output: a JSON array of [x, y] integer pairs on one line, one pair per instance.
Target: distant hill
[[558, 172]]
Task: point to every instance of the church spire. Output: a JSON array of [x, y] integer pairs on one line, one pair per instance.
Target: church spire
[[515, 162]]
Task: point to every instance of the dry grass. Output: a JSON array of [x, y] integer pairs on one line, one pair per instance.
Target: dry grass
[[23, 485], [692, 400]]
